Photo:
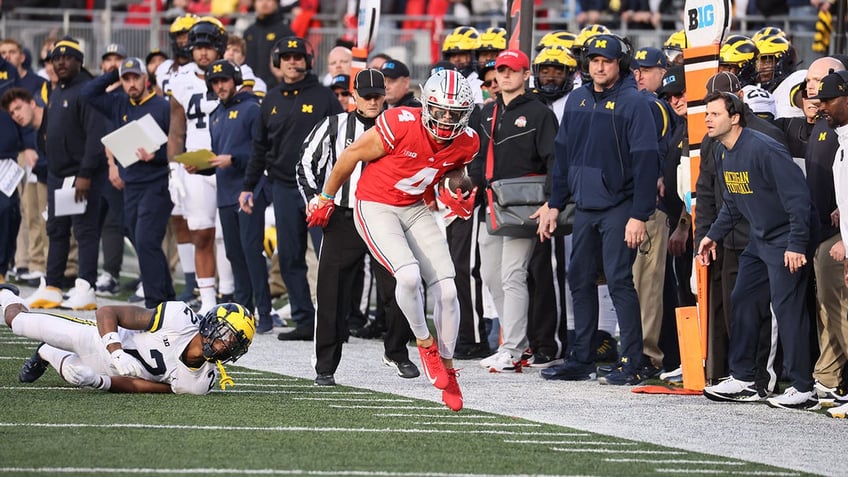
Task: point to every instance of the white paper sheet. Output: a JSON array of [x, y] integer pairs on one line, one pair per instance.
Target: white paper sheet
[[142, 133], [65, 204], [10, 176]]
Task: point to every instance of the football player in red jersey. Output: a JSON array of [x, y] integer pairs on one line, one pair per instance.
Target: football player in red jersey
[[408, 151]]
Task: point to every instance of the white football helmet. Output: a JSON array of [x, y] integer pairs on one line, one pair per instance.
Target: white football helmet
[[448, 103]]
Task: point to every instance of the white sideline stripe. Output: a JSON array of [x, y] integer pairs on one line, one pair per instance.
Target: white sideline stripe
[[451, 416], [731, 472], [488, 424], [252, 373], [615, 451], [265, 391], [257, 385], [352, 399], [418, 408], [250, 380], [266, 429], [13, 357], [39, 388], [676, 461], [112, 470], [588, 443]]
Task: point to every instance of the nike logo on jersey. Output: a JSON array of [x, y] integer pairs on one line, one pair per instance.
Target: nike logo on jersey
[[489, 119], [446, 164]]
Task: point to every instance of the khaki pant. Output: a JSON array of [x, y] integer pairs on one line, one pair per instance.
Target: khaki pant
[[832, 298], [32, 237], [649, 278]]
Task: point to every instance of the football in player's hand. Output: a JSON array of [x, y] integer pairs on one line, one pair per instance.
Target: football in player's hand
[[457, 179]]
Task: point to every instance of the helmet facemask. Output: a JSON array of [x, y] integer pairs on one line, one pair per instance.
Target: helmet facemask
[[222, 324], [447, 104]]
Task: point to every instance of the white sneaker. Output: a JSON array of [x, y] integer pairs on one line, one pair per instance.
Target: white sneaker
[[285, 312], [839, 412], [138, 295], [45, 297], [732, 389], [794, 399], [106, 285], [81, 297], [501, 362], [828, 397], [675, 373], [31, 275]]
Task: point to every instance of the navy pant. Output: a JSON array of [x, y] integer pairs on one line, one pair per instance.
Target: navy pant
[[112, 229], [10, 222], [147, 209], [290, 214], [598, 241], [243, 293], [86, 228], [251, 233], [758, 283]]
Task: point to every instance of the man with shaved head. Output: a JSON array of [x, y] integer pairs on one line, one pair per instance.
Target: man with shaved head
[[831, 294]]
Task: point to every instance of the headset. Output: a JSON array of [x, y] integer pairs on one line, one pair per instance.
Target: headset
[[301, 46], [624, 60]]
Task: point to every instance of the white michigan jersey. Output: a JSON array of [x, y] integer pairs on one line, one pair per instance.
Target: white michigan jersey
[[159, 349], [190, 92], [164, 75]]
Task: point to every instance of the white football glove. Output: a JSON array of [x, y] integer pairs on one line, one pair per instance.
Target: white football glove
[[126, 364], [79, 375]]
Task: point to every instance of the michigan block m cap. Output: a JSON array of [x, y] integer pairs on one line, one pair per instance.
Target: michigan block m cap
[[833, 85], [607, 46]]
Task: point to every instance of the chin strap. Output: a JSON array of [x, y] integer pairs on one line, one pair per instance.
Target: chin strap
[[225, 379]]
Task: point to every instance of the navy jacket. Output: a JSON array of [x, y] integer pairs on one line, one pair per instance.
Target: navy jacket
[[288, 114], [762, 183], [603, 155], [233, 126], [120, 109], [74, 129]]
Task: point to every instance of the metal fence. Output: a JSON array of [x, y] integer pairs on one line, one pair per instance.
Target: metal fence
[[98, 28]]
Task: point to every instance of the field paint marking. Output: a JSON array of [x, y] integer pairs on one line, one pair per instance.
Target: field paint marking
[[310, 386], [256, 373], [489, 424], [265, 429], [419, 408], [451, 416], [675, 461], [615, 451], [508, 441], [39, 388], [228, 391], [112, 470], [352, 399], [14, 357], [731, 472]]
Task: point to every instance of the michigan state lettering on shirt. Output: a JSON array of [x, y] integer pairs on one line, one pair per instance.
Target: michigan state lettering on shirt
[[737, 182]]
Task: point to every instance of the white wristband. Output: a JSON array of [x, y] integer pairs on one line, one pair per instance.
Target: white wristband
[[110, 338], [105, 383]]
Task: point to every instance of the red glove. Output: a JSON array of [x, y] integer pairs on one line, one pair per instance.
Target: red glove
[[318, 211], [463, 208]]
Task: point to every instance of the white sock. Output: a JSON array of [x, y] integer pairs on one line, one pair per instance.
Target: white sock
[[8, 298], [208, 296], [52, 355], [607, 319], [445, 315], [186, 253], [226, 282]]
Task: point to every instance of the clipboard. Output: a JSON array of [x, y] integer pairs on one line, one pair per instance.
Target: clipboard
[[143, 133], [199, 159]]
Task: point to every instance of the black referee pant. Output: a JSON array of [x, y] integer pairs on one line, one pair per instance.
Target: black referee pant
[[342, 252], [462, 243], [546, 284]]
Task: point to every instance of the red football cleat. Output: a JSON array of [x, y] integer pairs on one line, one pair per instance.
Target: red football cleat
[[451, 395], [434, 369]]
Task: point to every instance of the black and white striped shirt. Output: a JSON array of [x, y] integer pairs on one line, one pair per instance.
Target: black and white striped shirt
[[319, 156]]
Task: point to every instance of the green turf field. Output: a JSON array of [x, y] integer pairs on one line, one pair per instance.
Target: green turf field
[[278, 425]]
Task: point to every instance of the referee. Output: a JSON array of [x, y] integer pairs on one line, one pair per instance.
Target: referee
[[342, 249]]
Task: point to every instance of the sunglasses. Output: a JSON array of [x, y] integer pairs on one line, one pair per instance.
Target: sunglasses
[[488, 83], [291, 56], [346, 94]]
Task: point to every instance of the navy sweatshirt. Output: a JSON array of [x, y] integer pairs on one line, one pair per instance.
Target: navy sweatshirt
[[74, 129], [120, 109], [762, 183], [606, 150], [288, 114], [233, 129]]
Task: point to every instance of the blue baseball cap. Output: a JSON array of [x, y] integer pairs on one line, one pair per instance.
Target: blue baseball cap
[[650, 57], [607, 46]]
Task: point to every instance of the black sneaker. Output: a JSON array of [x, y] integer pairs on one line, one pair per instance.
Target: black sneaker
[[621, 376], [325, 380], [300, 333], [472, 351], [34, 367], [541, 360], [570, 371], [405, 369], [649, 371], [371, 331], [605, 346]]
